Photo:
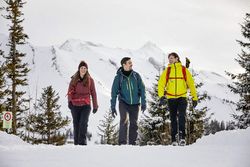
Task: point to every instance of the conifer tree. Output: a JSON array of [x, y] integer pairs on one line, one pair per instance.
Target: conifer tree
[[242, 80], [47, 124], [222, 126], [196, 118], [108, 130], [2, 89], [230, 125], [155, 128], [16, 70]]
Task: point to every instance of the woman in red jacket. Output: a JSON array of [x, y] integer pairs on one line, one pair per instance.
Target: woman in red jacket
[[80, 89]]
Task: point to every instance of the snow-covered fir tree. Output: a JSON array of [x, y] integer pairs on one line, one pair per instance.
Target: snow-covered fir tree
[[2, 89], [47, 126], [16, 70], [215, 126], [242, 80], [108, 130], [230, 125], [155, 128], [196, 118], [222, 126]]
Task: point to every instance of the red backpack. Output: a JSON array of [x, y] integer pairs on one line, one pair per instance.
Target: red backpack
[[168, 73], [183, 73]]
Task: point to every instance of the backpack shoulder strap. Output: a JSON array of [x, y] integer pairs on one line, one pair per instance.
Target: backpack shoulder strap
[[136, 75], [184, 73], [167, 74], [120, 81], [167, 78]]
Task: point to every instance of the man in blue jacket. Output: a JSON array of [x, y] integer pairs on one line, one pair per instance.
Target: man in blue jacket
[[130, 89]]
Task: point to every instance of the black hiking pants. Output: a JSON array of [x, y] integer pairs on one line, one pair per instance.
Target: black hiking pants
[[177, 108], [80, 116]]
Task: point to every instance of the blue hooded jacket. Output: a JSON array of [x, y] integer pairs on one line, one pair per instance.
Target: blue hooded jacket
[[131, 89]]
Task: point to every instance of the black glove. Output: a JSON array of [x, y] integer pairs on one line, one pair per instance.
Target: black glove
[[163, 101], [143, 107], [194, 103], [114, 113], [94, 110], [70, 105]]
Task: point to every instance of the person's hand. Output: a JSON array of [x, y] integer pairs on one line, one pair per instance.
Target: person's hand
[[94, 110], [114, 113], [70, 105], [143, 107], [163, 101], [194, 102]]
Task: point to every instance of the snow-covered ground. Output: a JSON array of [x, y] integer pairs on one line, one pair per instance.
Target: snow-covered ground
[[224, 149]]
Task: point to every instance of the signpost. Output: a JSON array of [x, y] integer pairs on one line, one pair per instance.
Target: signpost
[[7, 120]]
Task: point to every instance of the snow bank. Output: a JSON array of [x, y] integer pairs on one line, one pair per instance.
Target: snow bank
[[239, 137], [7, 140]]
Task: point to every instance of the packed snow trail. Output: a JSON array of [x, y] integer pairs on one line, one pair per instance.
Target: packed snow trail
[[224, 149]]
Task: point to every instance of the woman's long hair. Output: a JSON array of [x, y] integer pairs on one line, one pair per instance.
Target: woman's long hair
[[76, 77]]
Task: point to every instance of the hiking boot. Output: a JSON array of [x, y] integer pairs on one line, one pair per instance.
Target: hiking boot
[[174, 143], [182, 142]]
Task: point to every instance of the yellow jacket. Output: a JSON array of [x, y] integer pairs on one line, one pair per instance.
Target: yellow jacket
[[176, 86]]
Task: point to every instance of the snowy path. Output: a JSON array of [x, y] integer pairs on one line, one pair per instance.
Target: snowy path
[[225, 149]]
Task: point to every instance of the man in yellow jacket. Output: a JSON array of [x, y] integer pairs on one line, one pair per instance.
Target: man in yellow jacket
[[172, 90]]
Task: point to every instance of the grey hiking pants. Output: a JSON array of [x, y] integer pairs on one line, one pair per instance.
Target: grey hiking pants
[[128, 116]]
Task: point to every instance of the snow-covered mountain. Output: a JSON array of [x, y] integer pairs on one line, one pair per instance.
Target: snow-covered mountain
[[54, 65]]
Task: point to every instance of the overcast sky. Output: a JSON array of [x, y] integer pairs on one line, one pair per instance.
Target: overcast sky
[[204, 30]]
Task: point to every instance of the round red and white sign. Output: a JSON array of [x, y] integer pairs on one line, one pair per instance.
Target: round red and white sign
[[7, 116]]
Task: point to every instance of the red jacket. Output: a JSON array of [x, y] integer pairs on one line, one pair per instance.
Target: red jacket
[[79, 94]]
